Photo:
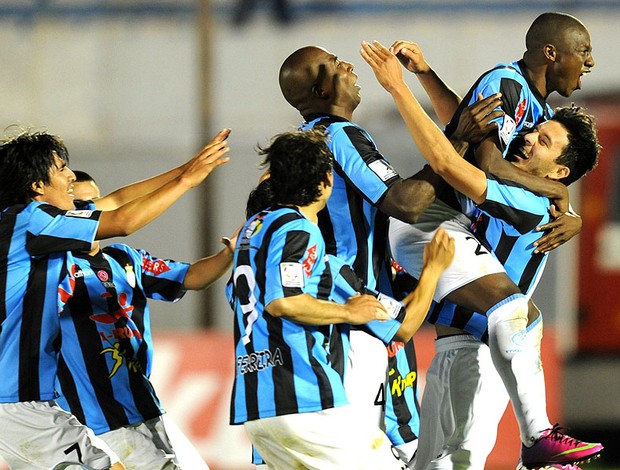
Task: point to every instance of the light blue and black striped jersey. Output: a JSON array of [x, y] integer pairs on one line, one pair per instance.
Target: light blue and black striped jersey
[[107, 348], [352, 225], [522, 104], [506, 224], [282, 366], [34, 239], [402, 408], [524, 109]]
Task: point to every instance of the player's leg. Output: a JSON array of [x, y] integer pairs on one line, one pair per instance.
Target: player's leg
[[187, 455], [143, 445], [331, 439], [365, 377], [478, 400], [436, 415], [42, 435]]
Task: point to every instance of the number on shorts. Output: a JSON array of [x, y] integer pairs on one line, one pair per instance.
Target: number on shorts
[[480, 250], [380, 397], [75, 447]]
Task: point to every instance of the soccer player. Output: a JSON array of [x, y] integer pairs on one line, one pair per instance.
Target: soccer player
[[39, 224], [106, 353], [562, 149], [290, 340], [367, 189]]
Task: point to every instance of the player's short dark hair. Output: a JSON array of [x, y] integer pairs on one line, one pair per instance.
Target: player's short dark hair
[[583, 149], [260, 198], [26, 159], [298, 163], [83, 177]]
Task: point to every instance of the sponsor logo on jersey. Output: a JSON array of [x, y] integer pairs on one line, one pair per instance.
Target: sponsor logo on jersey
[[394, 347], [131, 275], [308, 263], [76, 213], [102, 275], [520, 111], [154, 267], [398, 383], [292, 274], [259, 360], [383, 169], [507, 129]]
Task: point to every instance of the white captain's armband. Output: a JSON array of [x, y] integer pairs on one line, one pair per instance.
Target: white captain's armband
[[383, 169], [292, 274], [507, 130], [75, 213], [392, 306]]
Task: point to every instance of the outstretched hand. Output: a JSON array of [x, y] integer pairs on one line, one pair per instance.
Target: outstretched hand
[[207, 160], [384, 64], [410, 55]]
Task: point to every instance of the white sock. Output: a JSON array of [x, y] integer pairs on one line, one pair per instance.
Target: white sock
[[515, 350]]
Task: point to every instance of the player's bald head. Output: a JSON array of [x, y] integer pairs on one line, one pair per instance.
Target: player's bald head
[[299, 73], [552, 28]]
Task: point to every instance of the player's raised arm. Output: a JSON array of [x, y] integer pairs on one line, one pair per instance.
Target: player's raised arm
[[431, 141]]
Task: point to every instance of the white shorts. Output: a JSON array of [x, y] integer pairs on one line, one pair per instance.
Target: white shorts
[[366, 376], [471, 259], [143, 445], [188, 456], [463, 403], [40, 434], [331, 439]]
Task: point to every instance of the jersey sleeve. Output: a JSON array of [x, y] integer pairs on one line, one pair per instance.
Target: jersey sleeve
[[346, 284], [360, 163], [295, 261], [52, 230], [512, 86], [162, 279], [506, 201]]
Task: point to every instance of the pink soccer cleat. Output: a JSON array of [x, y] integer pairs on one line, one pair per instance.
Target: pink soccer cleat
[[555, 448]]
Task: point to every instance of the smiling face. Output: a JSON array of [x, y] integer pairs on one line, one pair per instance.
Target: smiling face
[[540, 149], [573, 58], [59, 191]]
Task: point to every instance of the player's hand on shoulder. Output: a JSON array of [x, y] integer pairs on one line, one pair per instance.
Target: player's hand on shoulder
[[476, 121], [562, 228], [364, 308]]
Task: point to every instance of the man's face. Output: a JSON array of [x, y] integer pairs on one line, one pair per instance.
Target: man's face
[[337, 78], [574, 58], [540, 149], [59, 191]]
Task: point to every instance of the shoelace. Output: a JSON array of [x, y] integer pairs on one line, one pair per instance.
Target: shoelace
[[557, 435]]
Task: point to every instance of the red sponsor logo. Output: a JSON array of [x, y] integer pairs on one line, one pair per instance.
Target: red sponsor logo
[[102, 275], [308, 263], [520, 112], [154, 267], [394, 347]]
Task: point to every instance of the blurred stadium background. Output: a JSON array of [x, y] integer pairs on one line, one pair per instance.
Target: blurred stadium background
[[137, 86]]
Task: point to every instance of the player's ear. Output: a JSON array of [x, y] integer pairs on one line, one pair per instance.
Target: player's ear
[[561, 172], [550, 52], [37, 189], [319, 92]]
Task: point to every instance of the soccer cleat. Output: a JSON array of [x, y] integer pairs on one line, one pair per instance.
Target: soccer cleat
[[555, 448], [555, 466]]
